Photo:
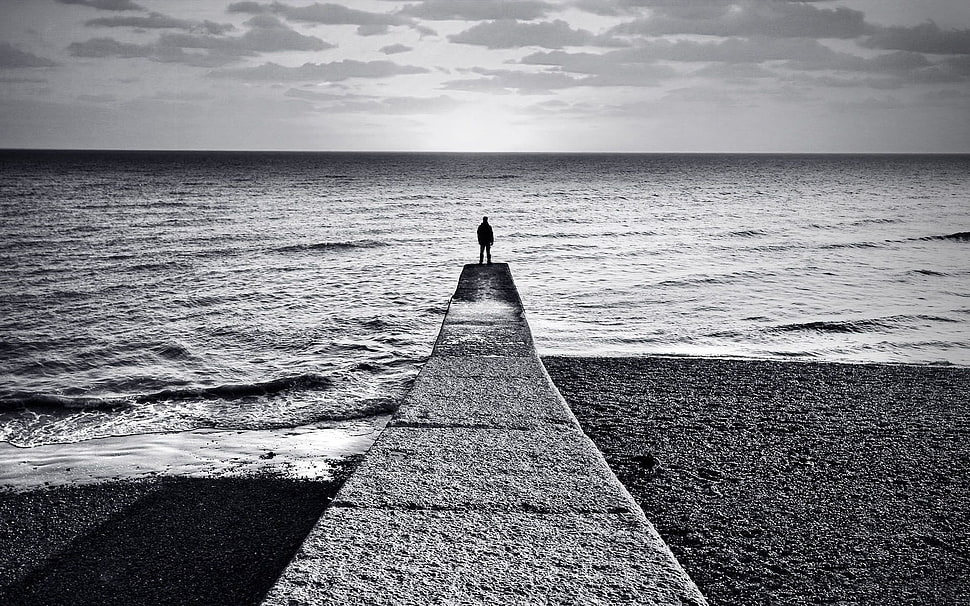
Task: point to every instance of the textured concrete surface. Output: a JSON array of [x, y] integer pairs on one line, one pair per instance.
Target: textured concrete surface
[[485, 469], [402, 558], [483, 489], [513, 402]]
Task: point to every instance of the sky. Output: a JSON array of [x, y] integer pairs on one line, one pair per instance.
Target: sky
[[487, 75]]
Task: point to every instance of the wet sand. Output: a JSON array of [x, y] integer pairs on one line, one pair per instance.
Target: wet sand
[[791, 483], [167, 540]]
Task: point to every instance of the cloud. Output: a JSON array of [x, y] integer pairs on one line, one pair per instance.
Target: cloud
[[763, 18], [109, 47], [266, 34], [150, 21], [504, 80], [394, 49], [731, 50], [742, 58], [479, 10], [614, 8], [102, 48], [631, 74], [321, 72], [924, 38], [513, 34], [618, 68], [734, 72], [12, 57], [894, 70], [159, 21], [398, 106], [326, 14], [898, 63], [310, 95], [606, 8], [951, 69], [106, 5]]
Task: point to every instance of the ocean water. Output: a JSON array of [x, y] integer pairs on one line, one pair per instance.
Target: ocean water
[[168, 291]]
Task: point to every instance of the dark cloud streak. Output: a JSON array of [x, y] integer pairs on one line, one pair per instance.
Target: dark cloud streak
[[106, 5], [397, 106], [924, 38], [265, 34], [99, 48], [321, 72], [103, 48], [325, 14], [506, 81], [394, 49], [12, 57], [731, 50], [159, 21], [751, 18], [479, 10], [513, 34]]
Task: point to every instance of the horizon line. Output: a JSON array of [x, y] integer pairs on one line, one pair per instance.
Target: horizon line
[[485, 152]]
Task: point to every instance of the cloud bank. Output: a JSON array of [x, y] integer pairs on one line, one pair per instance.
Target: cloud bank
[[569, 71]]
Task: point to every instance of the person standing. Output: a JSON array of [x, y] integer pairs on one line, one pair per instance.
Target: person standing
[[485, 240]]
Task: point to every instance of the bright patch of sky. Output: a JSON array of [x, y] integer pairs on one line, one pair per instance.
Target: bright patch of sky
[[487, 75]]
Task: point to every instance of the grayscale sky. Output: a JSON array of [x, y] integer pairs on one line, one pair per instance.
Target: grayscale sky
[[487, 75]]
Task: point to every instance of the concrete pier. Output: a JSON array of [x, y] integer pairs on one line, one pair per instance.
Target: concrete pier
[[483, 489]]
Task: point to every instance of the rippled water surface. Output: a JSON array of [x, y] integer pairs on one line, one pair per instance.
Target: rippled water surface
[[162, 291]]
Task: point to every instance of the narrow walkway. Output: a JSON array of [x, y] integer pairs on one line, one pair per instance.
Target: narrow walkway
[[483, 489]]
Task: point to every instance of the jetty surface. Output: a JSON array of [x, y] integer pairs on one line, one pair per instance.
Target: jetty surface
[[483, 489]]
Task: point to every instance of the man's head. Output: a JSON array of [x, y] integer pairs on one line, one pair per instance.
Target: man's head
[[484, 219]]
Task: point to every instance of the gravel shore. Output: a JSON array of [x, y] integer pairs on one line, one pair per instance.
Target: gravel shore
[[168, 540], [789, 482], [773, 483]]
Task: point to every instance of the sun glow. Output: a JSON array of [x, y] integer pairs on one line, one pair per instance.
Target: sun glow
[[479, 128]]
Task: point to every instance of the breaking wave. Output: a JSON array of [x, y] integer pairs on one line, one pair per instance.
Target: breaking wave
[[303, 383], [748, 233], [852, 245], [858, 326], [960, 236], [331, 246]]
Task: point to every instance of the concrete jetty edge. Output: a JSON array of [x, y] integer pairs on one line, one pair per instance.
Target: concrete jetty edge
[[483, 489]]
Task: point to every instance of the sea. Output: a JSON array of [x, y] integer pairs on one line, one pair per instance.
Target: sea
[[158, 293]]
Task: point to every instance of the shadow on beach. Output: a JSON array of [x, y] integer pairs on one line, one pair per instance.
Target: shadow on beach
[[164, 541]]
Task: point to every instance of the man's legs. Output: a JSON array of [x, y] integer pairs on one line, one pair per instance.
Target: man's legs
[[488, 251], [481, 254]]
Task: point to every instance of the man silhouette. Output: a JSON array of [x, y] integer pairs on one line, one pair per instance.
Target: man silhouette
[[485, 240]]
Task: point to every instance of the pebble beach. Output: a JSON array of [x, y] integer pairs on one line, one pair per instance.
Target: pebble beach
[[791, 482]]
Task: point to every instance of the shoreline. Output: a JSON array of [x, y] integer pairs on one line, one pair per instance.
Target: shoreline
[[300, 452], [795, 359], [787, 481]]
